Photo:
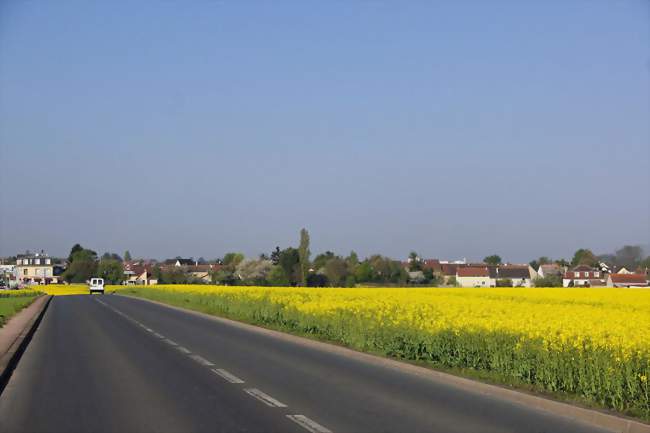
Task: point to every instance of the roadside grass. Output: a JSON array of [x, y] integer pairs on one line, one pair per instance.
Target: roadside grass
[[453, 352], [11, 302]]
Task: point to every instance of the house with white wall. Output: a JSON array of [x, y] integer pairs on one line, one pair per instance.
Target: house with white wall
[[474, 276]]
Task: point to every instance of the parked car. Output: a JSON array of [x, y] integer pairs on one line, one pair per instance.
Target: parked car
[[96, 285]]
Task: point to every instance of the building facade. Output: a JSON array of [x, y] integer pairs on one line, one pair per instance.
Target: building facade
[[36, 269]]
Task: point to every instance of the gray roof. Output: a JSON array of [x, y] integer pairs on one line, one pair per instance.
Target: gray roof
[[514, 273]]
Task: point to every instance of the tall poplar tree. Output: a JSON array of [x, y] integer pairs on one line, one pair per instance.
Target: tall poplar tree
[[303, 254]]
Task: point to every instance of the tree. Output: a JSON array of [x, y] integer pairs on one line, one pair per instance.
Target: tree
[[75, 249], [415, 264], [548, 281], [629, 256], [112, 256], [303, 253], [352, 260], [290, 263], [233, 259], [504, 282], [363, 273], [322, 259], [494, 259], [562, 263], [275, 256], [584, 257], [452, 281], [644, 264], [336, 271], [173, 275], [254, 272], [82, 266], [127, 256], [110, 270], [277, 277]]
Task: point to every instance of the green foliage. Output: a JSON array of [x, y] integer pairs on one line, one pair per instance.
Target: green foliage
[[548, 281], [10, 305], [277, 277], [233, 259], [584, 257], [112, 256], [290, 263], [452, 281], [321, 259], [494, 259], [415, 264], [303, 254], [504, 282], [363, 273], [75, 249], [173, 275], [629, 256], [336, 271], [110, 270], [82, 266], [127, 256]]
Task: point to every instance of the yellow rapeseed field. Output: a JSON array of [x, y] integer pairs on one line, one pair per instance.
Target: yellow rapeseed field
[[591, 342], [64, 289]]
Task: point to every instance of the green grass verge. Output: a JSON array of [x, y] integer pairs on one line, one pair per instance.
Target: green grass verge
[[274, 317], [11, 304]]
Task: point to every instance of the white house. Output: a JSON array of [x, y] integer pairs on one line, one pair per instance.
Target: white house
[[474, 276], [520, 275], [584, 276], [549, 270]]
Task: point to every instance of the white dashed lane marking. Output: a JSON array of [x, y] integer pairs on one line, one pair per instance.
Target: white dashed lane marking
[[303, 421], [264, 398], [308, 424], [226, 375], [201, 360], [182, 350]]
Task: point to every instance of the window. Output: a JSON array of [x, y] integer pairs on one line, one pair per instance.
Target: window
[[48, 261], [597, 274], [37, 261], [576, 274], [24, 271]]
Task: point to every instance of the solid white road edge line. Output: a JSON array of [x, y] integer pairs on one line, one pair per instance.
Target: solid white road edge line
[[308, 424], [264, 398], [227, 376]]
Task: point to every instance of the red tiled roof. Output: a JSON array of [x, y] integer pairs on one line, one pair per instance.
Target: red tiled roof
[[628, 279], [449, 268], [433, 264], [473, 272]]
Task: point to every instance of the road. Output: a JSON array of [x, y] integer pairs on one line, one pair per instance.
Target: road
[[116, 364]]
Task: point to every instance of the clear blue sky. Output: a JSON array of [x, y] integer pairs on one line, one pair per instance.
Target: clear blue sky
[[456, 129]]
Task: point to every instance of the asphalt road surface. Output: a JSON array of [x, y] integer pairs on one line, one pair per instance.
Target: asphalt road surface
[[115, 364]]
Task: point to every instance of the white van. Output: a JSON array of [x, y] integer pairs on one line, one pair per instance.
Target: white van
[[97, 285]]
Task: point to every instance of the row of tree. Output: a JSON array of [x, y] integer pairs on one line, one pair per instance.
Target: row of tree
[[84, 264], [293, 267]]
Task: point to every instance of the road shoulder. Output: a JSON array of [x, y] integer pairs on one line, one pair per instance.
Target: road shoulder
[[16, 333]]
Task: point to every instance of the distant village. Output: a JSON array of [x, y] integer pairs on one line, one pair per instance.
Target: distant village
[[290, 268]]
